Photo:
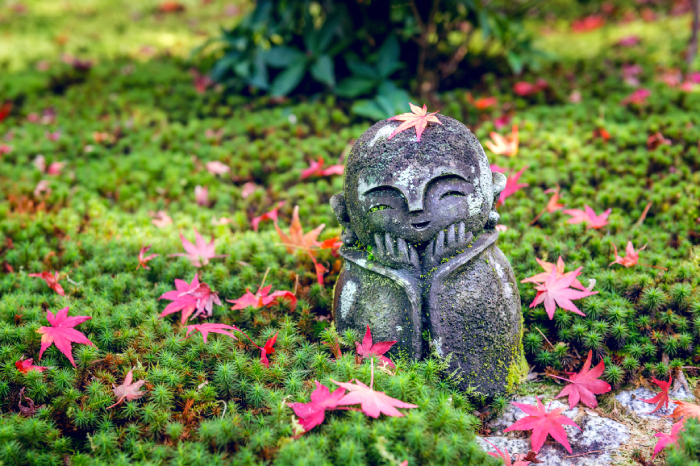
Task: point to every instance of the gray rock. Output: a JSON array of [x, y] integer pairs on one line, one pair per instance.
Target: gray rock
[[632, 400], [598, 434], [419, 245]]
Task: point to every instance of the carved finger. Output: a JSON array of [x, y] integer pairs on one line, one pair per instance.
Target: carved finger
[[413, 255], [403, 250], [468, 239], [428, 253], [461, 233], [451, 236], [389, 245], [439, 244], [379, 244]]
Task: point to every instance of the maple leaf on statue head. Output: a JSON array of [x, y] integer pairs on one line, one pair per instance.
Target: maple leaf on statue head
[[313, 413], [668, 439], [51, 281], [548, 267], [663, 397], [556, 292], [584, 385], [62, 334], [543, 423], [127, 390], [589, 217], [200, 252], [419, 119], [367, 349]]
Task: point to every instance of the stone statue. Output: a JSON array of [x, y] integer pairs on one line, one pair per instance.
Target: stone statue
[[421, 263]]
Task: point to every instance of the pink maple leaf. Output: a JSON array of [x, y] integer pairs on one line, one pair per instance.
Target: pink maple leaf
[[143, 259], [200, 252], [505, 456], [62, 334], [543, 423], [585, 385], [589, 217], [418, 119], [371, 402], [313, 413], [181, 300], [262, 298], [5, 149], [51, 281], [316, 169], [271, 215], [217, 168], [638, 97], [512, 186], [205, 299], [662, 397], [207, 328], [540, 278], [161, 219], [668, 439], [201, 196], [632, 257], [524, 88], [127, 390], [556, 292], [367, 349], [26, 365]]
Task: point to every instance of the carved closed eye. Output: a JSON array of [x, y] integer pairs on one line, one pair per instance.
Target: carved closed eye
[[379, 207], [452, 193]]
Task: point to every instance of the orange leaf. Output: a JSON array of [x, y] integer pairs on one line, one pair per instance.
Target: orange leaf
[[419, 119]]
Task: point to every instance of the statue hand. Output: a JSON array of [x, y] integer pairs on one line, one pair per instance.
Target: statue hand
[[395, 253], [446, 245]]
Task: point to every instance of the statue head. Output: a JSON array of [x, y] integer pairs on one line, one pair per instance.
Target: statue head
[[413, 190]]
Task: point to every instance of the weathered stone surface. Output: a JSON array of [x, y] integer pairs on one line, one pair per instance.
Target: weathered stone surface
[[598, 434], [420, 256], [632, 400]]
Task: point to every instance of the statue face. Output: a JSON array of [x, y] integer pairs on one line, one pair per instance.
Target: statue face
[[418, 202]]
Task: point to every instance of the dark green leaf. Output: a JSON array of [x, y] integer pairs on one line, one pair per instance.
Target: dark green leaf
[[323, 70], [289, 79], [354, 86]]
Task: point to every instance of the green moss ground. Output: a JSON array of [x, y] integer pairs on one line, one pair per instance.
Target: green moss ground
[[96, 218]]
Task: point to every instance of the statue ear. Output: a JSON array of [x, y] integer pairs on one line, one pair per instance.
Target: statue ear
[[341, 212], [499, 184]]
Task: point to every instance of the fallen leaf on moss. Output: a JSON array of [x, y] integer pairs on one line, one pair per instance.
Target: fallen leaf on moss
[[62, 334], [127, 390]]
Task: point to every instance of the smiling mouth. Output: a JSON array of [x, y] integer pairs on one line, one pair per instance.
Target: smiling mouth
[[420, 225]]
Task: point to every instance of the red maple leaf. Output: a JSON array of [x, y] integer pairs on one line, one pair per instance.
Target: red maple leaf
[[262, 298], [207, 328], [548, 267], [62, 334], [662, 398], [333, 244], [271, 215], [206, 298], [269, 348], [51, 281], [316, 169], [524, 88], [589, 217], [512, 186], [26, 365], [632, 257], [588, 23], [482, 103], [556, 292], [371, 402], [543, 423], [585, 384], [5, 110], [367, 349], [200, 252], [637, 97], [419, 119], [505, 456], [668, 439], [553, 204], [127, 390], [504, 145], [143, 259], [313, 413]]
